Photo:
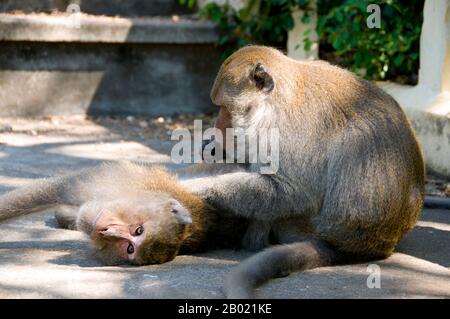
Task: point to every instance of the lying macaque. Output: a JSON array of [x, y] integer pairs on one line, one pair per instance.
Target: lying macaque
[[133, 213]]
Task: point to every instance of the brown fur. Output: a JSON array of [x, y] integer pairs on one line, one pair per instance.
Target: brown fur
[[121, 196], [167, 237], [350, 170]]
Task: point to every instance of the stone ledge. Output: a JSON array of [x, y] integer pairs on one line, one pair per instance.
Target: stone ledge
[[102, 29], [101, 7]]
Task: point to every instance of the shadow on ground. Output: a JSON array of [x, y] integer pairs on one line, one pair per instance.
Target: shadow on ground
[[39, 260]]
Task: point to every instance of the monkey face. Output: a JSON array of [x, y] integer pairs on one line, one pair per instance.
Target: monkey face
[[145, 229], [243, 88]]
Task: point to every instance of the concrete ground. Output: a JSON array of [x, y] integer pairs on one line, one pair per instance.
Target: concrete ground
[[39, 260]]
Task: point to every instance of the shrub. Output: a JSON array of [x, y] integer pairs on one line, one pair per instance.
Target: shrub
[[388, 53]]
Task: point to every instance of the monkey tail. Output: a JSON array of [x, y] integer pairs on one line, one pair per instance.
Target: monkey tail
[[38, 196], [278, 261]]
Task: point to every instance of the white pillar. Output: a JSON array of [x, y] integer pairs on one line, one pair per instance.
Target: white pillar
[[295, 45], [237, 4], [428, 103], [434, 70]]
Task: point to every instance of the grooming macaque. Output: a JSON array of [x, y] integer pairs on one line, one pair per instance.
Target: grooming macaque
[[349, 184], [350, 181], [133, 213]]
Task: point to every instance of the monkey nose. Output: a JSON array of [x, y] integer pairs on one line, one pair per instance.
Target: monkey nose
[[116, 232]]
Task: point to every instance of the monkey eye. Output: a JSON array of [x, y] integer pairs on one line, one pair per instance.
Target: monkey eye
[[139, 231], [130, 249]]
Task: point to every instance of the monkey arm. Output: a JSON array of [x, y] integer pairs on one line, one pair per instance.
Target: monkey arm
[[245, 194], [208, 170]]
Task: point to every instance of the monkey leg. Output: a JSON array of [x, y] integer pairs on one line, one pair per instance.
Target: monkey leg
[[257, 235], [66, 216]]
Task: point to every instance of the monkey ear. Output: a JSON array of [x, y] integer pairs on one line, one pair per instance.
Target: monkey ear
[[181, 213], [263, 80]]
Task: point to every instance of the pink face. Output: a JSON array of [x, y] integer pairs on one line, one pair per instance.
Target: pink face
[[125, 231], [124, 237]]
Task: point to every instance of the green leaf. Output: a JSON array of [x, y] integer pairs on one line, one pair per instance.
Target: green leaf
[[381, 53]]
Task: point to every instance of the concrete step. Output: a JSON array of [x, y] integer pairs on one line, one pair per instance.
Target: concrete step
[[98, 7], [101, 29], [107, 66]]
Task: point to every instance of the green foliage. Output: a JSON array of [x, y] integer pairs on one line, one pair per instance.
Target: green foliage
[[390, 52], [259, 22], [189, 3]]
